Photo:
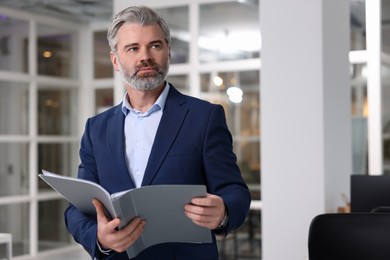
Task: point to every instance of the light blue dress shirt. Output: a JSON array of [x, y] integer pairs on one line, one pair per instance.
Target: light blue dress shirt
[[140, 130]]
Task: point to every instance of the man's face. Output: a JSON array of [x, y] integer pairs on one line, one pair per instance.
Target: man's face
[[142, 56]]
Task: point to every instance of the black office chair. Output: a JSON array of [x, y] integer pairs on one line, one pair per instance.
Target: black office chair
[[354, 236]]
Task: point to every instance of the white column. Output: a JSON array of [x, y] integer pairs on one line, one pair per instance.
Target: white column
[[374, 90], [86, 65], [305, 119]]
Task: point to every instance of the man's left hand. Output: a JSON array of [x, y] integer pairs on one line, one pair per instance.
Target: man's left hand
[[206, 212]]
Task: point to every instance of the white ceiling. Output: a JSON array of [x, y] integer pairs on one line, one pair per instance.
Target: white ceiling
[[87, 10], [84, 10], [102, 9]]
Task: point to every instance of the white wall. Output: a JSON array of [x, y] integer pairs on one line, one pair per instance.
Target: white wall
[[305, 119]]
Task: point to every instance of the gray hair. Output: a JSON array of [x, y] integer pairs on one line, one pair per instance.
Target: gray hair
[[142, 15]]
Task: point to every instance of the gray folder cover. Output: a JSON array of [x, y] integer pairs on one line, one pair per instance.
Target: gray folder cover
[[162, 206]]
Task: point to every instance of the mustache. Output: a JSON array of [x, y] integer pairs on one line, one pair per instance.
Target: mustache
[[147, 64]]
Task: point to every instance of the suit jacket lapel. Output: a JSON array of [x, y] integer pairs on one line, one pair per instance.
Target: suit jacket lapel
[[116, 146], [170, 124]]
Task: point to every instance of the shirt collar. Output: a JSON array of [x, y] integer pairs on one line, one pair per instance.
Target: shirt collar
[[160, 102]]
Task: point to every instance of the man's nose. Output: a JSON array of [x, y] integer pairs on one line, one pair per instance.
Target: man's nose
[[145, 54]]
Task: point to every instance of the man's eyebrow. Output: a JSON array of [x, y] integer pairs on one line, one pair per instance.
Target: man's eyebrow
[[156, 41], [130, 45]]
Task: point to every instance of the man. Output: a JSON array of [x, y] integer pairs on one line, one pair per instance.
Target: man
[[156, 136]]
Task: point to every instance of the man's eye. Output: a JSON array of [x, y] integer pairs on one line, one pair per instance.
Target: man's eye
[[132, 49], [156, 46]]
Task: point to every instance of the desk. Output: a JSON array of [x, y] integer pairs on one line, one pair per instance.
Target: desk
[[6, 238]]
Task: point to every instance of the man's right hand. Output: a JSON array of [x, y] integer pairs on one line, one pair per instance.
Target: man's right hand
[[111, 238]]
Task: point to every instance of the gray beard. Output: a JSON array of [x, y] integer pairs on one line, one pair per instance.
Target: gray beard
[[146, 83], [143, 83]]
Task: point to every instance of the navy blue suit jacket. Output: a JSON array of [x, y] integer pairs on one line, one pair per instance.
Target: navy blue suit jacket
[[192, 146]]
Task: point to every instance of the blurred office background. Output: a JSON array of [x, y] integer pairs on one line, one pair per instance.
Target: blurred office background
[[251, 56]]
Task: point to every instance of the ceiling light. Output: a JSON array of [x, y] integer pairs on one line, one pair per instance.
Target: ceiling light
[[218, 81], [47, 54], [235, 94]]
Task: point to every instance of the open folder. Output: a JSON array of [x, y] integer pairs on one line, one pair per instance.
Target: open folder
[[162, 206]]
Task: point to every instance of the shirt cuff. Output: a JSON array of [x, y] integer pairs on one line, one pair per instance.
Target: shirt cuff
[[106, 252], [224, 221]]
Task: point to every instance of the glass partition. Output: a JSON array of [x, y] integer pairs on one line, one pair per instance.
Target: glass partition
[[385, 77], [386, 116], [229, 31], [239, 92], [13, 42], [56, 52], [385, 28], [180, 82], [14, 168], [57, 111], [101, 56], [104, 99], [52, 232], [59, 158], [177, 19], [14, 97], [39, 110], [359, 109], [357, 25], [14, 219]]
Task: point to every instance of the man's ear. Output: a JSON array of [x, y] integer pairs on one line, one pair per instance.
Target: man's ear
[[114, 60]]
